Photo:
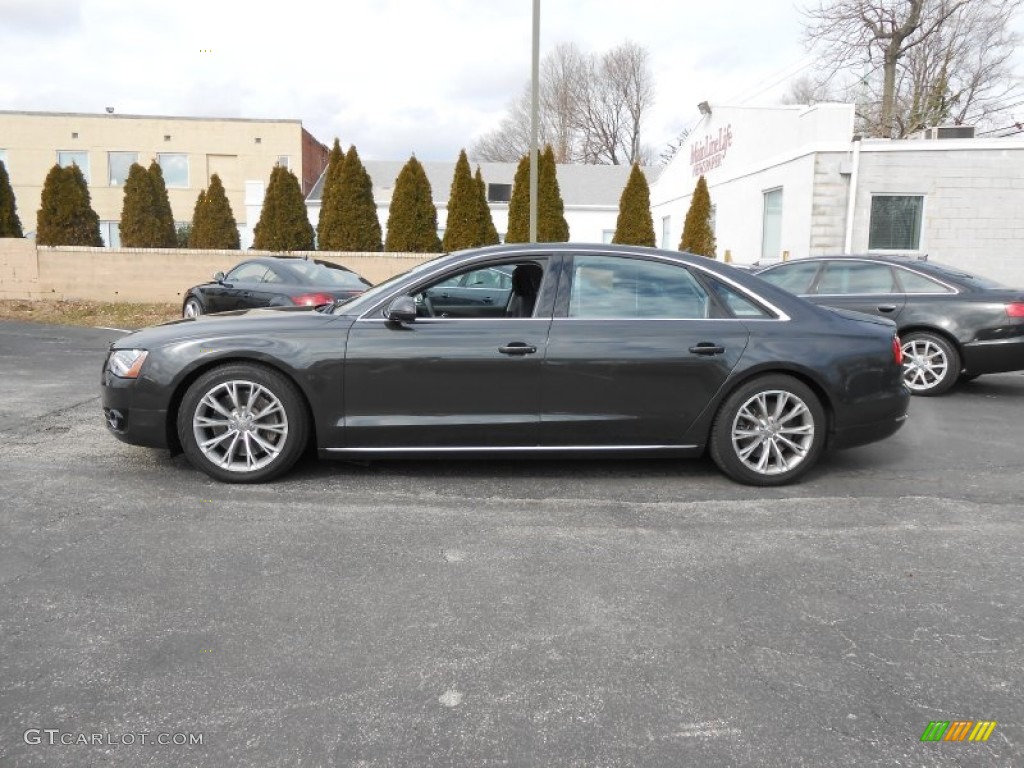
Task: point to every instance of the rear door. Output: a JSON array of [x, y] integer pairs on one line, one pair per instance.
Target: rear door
[[864, 286], [634, 353]]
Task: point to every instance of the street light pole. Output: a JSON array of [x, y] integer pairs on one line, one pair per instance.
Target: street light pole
[[534, 102]]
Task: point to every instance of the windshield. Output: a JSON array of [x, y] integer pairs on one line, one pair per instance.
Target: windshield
[[370, 297]]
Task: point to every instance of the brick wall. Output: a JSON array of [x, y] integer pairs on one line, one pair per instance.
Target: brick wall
[[145, 274]]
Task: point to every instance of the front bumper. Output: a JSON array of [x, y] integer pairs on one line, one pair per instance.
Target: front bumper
[[126, 421]]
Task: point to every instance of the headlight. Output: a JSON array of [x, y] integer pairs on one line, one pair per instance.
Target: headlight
[[126, 363]]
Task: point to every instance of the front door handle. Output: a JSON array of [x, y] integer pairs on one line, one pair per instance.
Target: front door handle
[[707, 348], [886, 307], [517, 348]]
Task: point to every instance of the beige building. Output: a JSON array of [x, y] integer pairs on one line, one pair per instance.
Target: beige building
[[188, 149]]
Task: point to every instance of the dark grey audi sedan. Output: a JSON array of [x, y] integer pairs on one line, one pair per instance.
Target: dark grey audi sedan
[[954, 325], [548, 349]]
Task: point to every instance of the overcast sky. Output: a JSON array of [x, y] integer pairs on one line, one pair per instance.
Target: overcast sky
[[392, 77]]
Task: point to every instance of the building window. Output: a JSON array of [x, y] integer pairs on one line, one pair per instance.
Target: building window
[[118, 165], [66, 158], [3, 159], [771, 226], [607, 235], [666, 230], [175, 169], [895, 222], [284, 161], [111, 233], [499, 193]]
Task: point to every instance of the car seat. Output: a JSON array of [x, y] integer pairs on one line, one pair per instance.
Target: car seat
[[526, 280]]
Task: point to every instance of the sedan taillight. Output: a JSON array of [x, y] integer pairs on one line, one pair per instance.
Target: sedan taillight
[[1015, 309], [897, 350], [313, 299]]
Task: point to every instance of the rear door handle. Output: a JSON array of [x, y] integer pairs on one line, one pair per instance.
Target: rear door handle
[[886, 307], [517, 348], [707, 348]]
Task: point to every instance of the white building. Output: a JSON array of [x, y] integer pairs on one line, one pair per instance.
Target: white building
[[780, 180], [590, 194]]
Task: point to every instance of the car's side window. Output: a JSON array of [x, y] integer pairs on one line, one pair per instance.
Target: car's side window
[[496, 290], [273, 276], [737, 304], [246, 273], [608, 286], [841, 277], [795, 277], [915, 282]]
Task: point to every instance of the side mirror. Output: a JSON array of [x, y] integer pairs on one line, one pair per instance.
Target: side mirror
[[401, 310], [219, 277]]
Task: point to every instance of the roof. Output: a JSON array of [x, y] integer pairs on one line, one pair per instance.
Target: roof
[[125, 116], [580, 185]]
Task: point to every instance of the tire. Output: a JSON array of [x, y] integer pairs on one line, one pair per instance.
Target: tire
[[769, 432], [931, 364], [243, 423], [192, 307]]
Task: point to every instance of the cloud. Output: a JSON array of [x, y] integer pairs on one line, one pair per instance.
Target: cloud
[[41, 17]]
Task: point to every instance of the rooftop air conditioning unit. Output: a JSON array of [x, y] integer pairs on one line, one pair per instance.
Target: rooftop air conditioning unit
[[949, 132]]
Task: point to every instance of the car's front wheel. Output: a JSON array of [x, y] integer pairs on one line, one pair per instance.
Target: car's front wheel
[[770, 431], [193, 307], [931, 364], [243, 423]]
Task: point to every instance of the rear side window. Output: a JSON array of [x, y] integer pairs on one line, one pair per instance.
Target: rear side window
[[794, 277], [856, 277], [608, 286], [915, 282], [737, 304]]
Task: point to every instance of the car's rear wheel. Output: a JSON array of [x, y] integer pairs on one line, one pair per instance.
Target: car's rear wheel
[[243, 423], [193, 307], [931, 364], [770, 431]]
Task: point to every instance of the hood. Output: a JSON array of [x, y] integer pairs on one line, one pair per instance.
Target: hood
[[251, 322]]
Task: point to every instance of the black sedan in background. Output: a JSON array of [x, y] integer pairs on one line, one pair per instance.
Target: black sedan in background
[[954, 325], [271, 281], [581, 350]]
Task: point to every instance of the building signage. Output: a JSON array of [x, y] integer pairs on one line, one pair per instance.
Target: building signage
[[708, 154]]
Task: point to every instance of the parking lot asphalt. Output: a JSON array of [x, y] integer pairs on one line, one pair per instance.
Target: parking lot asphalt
[[589, 613]]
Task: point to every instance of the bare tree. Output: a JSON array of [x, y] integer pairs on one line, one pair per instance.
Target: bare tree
[[591, 109], [913, 52]]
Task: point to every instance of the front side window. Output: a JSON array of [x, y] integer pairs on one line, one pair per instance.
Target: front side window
[[175, 170], [66, 158], [850, 277], [246, 273], [118, 165], [895, 223], [608, 286]]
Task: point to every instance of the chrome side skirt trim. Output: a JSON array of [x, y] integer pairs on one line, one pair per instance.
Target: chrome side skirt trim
[[512, 448]]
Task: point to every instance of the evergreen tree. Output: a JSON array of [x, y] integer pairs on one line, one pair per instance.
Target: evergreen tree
[[551, 224], [10, 224], [463, 227], [66, 216], [213, 223], [137, 225], [488, 233], [359, 229], [328, 227], [519, 204], [635, 225], [164, 234], [283, 224], [698, 236], [412, 220]]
